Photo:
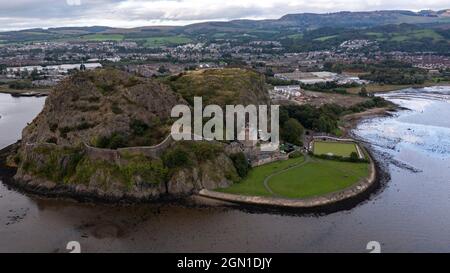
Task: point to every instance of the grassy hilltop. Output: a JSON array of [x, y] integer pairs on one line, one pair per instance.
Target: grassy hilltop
[[229, 86]]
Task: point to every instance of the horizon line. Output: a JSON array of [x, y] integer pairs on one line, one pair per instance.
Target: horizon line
[[194, 22]]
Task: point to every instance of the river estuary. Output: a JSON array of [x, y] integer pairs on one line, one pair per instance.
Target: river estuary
[[410, 212]]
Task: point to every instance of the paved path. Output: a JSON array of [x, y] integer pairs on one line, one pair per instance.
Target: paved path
[[266, 180]]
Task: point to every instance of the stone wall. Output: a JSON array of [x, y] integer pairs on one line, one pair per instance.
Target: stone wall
[[110, 155], [267, 160], [155, 151], [114, 155]]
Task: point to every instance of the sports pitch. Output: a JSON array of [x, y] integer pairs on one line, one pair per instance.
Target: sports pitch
[[334, 148]]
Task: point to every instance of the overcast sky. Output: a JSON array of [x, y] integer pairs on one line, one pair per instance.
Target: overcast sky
[[20, 14]]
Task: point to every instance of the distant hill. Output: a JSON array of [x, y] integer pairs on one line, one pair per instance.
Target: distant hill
[[393, 30], [290, 22]]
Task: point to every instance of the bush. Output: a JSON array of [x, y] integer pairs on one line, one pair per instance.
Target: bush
[[152, 172], [296, 154], [205, 150], [354, 157], [20, 85], [106, 88], [363, 92], [53, 127], [340, 158], [116, 109], [84, 126], [115, 141], [64, 130], [241, 164], [52, 140], [138, 127], [177, 157]]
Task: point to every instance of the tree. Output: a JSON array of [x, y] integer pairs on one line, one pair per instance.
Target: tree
[[3, 68], [292, 132], [354, 157], [363, 92], [162, 69], [240, 162], [34, 75]]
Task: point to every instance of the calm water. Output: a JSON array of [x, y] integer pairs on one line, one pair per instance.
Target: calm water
[[409, 214]]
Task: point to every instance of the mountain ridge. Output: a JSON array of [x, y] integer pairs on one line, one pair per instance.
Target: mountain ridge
[[444, 13]]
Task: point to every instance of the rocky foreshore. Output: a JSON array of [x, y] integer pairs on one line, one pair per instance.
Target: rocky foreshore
[[343, 200], [81, 193]]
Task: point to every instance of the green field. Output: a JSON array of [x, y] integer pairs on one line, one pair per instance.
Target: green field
[[297, 178], [317, 178], [417, 34], [166, 41], [103, 37], [406, 35], [324, 38], [253, 183], [334, 148], [295, 36]]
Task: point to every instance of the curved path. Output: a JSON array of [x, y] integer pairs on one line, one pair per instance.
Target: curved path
[[266, 180]]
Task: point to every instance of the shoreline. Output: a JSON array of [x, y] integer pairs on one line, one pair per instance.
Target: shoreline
[[351, 121], [71, 192], [342, 200], [332, 202], [377, 88], [26, 93], [29, 92]]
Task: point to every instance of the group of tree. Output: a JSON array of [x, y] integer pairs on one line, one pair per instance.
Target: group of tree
[[20, 85], [331, 86], [292, 131], [385, 72], [3, 68], [322, 119]]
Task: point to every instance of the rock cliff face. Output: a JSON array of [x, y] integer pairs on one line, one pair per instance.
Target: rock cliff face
[[96, 104], [95, 134]]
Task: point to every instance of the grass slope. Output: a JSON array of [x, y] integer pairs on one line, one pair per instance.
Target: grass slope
[[253, 183], [230, 86]]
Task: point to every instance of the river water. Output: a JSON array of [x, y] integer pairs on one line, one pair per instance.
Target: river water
[[410, 213]]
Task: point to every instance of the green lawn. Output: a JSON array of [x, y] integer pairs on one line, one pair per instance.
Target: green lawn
[[314, 178], [253, 183], [317, 178], [335, 148]]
